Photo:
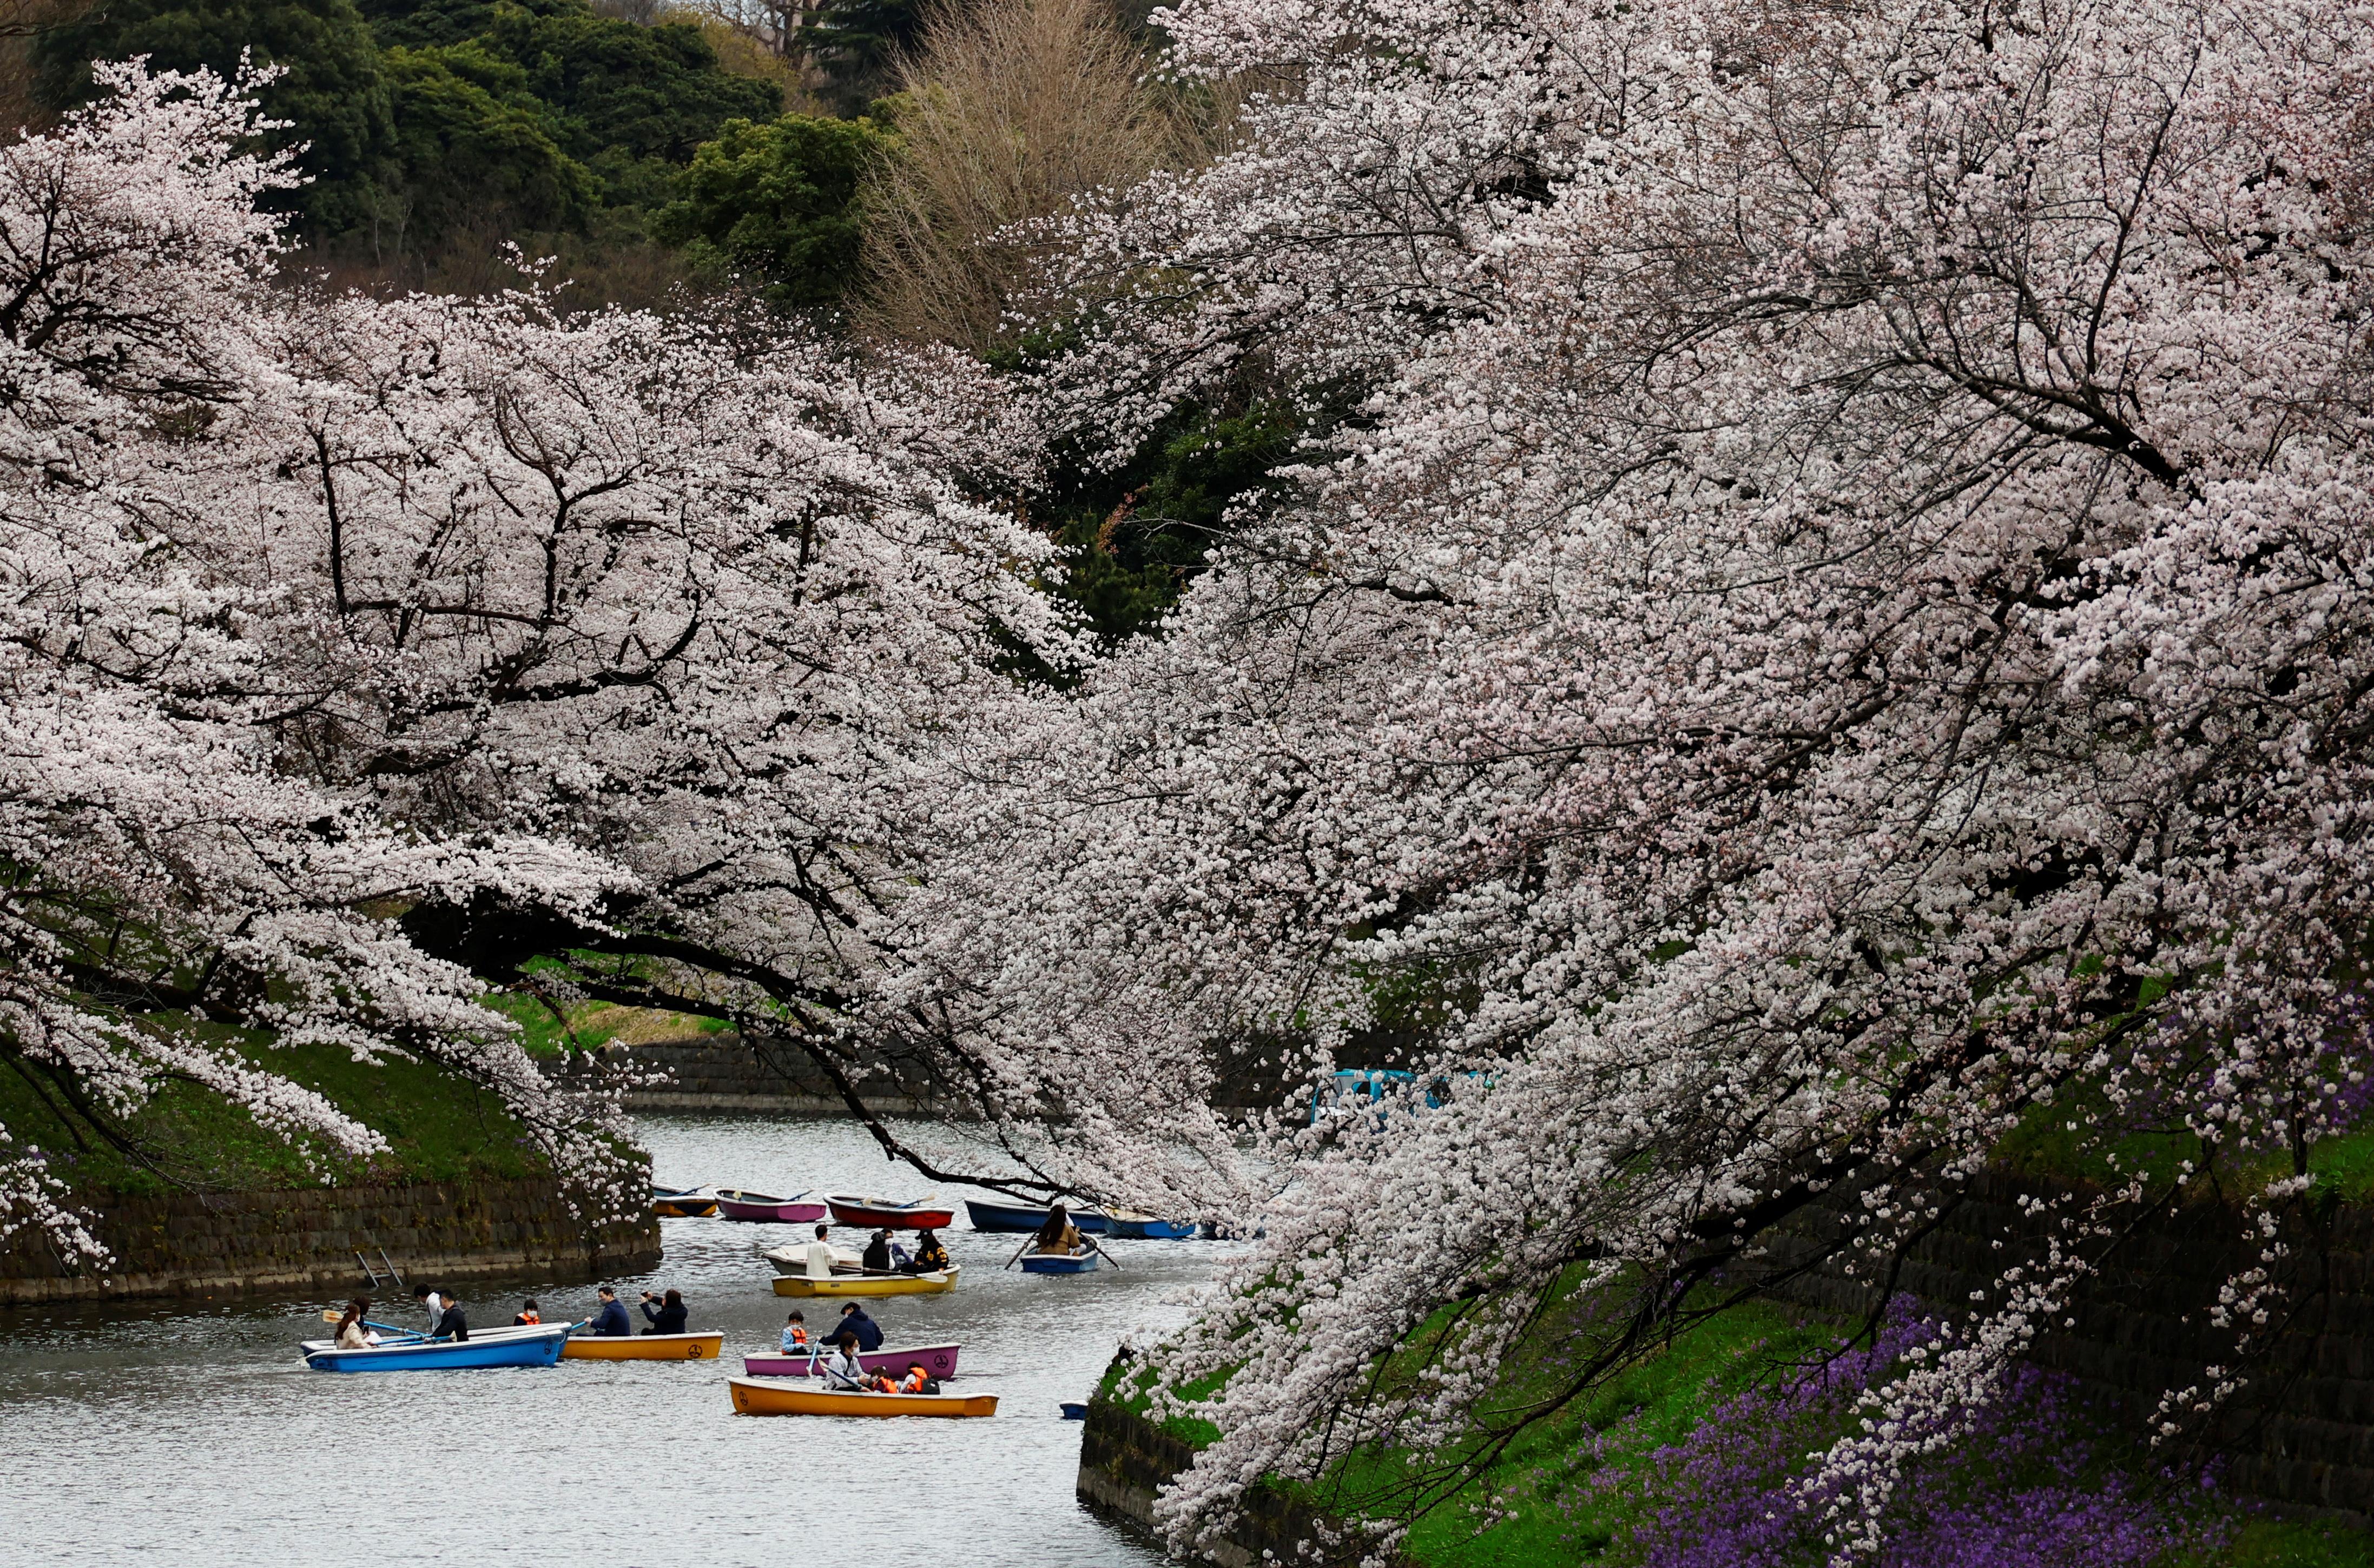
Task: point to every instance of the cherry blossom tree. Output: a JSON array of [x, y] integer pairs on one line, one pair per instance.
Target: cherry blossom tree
[[368, 652], [1840, 627]]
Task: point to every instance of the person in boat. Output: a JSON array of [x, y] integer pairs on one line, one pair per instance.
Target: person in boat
[[432, 1302], [876, 1260], [451, 1324], [930, 1255], [918, 1381], [353, 1335], [854, 1321], [1058, 1234], [841, 1371], [667, 1317], [819, 1258], [612, 1318], [795, 1335], [528, 1312]]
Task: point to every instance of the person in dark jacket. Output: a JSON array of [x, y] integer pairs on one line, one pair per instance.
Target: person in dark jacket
[[667, 1317], [612, 1317], [876, 1259], [929, 1254], [451, 1324], [854, 1321]]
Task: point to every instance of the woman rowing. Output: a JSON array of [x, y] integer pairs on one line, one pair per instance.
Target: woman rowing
[[1058, 1234]]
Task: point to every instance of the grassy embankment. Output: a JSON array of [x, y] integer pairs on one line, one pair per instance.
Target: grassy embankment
[[439, 1126], [1569, 1486]]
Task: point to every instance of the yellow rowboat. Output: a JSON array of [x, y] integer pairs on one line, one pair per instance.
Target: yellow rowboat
[[644, 1347], [931, 1284], [768, 1397]]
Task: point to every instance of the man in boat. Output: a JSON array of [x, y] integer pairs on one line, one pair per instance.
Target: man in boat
[[432, 1303], [930, 1255], [841, 1371], [451, 1324], [876, 1260], [854, 1321], [819, 1258], [612, 1317]]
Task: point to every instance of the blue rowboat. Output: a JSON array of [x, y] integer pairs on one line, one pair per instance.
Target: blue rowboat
[[1015, 1219], [1124, 1225], [516, 1348], [1079, 1262]]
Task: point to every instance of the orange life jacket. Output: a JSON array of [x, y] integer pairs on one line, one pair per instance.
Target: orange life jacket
[[882, 1383], [799, 1335], [529, 1317], [913, 1383]]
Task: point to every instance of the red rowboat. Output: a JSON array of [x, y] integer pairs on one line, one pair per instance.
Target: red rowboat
[[883, 1214], [940, 1361], [734, 1204]]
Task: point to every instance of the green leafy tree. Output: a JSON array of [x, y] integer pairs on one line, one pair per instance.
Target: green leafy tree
[[856, 42], [475, 146], [334, 94], [648, 92], [778, 199]]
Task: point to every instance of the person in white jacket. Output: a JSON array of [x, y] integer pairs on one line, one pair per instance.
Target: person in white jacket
[[820, 1255], [841, 1371]]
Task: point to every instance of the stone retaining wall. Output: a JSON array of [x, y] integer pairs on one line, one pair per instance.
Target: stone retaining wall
[[720, 1073], [233, 1243], [1123, 1457], [2300, 1432]]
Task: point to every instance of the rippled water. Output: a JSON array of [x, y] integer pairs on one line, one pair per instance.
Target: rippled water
[[192, 1434]]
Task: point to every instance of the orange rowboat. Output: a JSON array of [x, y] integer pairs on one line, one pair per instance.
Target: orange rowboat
[[766, 1396], [644, 1347]]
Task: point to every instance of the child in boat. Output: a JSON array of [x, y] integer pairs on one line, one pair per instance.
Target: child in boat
[[795, 1335], [528, 1312], [1058, 1234], [669, 1317], [352, 1335], [918, 1381], [930, 1255]]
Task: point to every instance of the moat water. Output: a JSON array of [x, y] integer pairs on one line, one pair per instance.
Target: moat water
[[190, 1433]]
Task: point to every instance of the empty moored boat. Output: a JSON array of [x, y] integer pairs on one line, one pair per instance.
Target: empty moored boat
[[1015, 1218], [767, 1396], [940, 1361], [931, 1284], [881, 1213], [515, 1348], [645, 1347], [1127, 1224], [733, 1203], [683, 1203]]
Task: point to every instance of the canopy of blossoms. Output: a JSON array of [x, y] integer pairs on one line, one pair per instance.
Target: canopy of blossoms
[[360, 648], [1841, 621]]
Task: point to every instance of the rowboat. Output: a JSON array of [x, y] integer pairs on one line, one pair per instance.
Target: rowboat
[[732, 1203], [758, 1396], [881, 1213], [794, 1261], [645, 1347], [931, 1284], [940, 1361], [516, 1349], [1080, 1262], [682, 1203], [1127, 1224], [1015, 1218]]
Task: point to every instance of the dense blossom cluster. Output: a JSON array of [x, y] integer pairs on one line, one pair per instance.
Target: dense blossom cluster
[[360, 647], [1841, 625]]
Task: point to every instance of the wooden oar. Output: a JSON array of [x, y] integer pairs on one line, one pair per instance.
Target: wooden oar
[[1100, 1252], [1018, 1254]]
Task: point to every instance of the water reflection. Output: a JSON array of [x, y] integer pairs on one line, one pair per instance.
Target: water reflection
[[193, 1429]]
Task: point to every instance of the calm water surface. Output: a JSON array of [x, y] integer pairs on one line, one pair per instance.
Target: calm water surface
[[192, 1434]]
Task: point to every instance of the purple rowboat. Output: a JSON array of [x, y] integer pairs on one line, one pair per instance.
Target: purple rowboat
[[940, 1361], [734, 1204]]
